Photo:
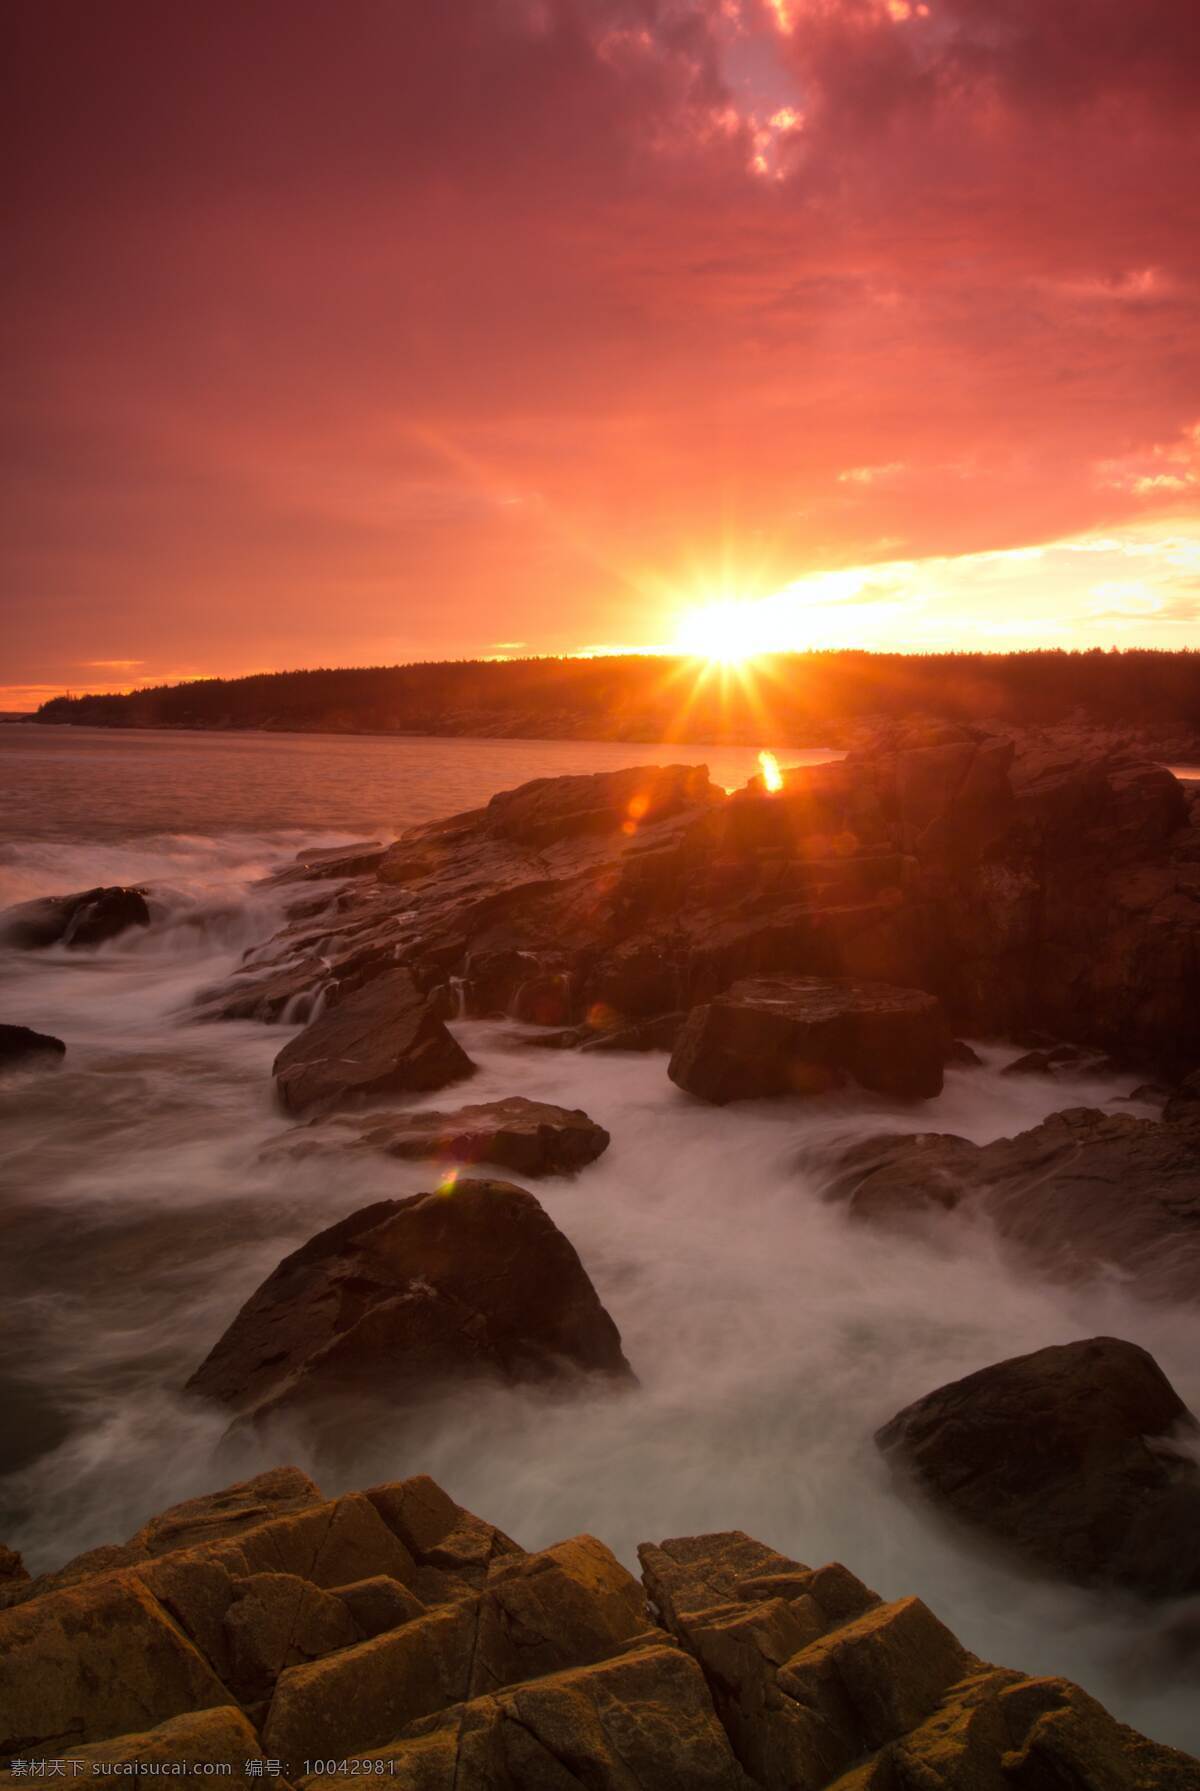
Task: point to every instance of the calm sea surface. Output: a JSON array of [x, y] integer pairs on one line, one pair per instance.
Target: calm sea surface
[[143, 1197], [100, 783]]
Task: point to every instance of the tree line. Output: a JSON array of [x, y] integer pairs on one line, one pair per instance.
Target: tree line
[[652, 697]]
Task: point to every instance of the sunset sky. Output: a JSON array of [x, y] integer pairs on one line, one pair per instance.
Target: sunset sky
[[381, 330]]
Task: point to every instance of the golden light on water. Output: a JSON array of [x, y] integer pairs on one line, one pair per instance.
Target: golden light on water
[[772, 775]]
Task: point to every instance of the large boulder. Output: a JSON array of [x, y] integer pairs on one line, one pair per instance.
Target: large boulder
[[529, 1137], [408, 1296], [87, 918], [792, 1035], [385, 1038], [1067, 1457], [1082, 1191], [20, 1045]]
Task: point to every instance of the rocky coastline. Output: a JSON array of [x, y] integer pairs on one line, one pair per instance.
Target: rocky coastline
[[847, 928], [276, 1633]]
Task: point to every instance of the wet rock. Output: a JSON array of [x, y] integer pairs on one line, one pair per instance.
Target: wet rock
[[1082, 1191], [529, 1137], [659, 1034], [385, 1038], [314, 864], [792, 1035], [87, 918], [21, 1046], [12, 1568], [1065, 1456], [1042, 1063], [1183, 1103], [544, 1000], [407, 1296], [289, 991], [891, 1180], [961, 1056]]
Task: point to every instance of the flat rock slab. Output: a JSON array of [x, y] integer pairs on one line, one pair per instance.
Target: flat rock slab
[[799, 1034], [529, 1137], [385, 1038], [1066, 1456], [20, 1045], [87, 918], [406, 1296]]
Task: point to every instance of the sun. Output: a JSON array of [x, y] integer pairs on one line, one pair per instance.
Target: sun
[[722, 632]]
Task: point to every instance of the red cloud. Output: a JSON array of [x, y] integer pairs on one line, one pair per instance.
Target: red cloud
[[374, 330]]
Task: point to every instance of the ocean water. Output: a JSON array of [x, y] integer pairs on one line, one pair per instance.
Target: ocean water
[[140, 1205]]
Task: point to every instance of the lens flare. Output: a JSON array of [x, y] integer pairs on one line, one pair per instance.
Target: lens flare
[[772, 775]]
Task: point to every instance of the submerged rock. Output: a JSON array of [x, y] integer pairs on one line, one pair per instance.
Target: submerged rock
[[529, 1137], [794, 1035], [87, 918], [385, 1038], [1065, 1456], [406, 1297], [396, 1632], [21, 1045]]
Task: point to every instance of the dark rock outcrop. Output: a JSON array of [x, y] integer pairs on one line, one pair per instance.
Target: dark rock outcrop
[[12, 1568], [396, 1630], [1065, 1456], [407, 1297], [796, 1035], [87, 918], [20, 1045], [529, 1137], [385, 1038], [1085, 1190], [1033, 886]]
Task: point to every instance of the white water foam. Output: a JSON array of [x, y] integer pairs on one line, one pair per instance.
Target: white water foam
[[770, 1336]]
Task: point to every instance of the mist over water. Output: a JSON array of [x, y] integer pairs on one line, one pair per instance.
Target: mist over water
[[140, 1204]]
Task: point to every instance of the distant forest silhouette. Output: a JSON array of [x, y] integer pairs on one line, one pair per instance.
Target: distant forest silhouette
[[793, 698]]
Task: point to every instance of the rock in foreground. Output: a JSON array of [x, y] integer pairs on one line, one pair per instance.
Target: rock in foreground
[[529, 1137], [394, 1629], [20, 1045], [385, 1038], [404, 1298], [794, 1035], [87, 918], [1065, 1456]]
